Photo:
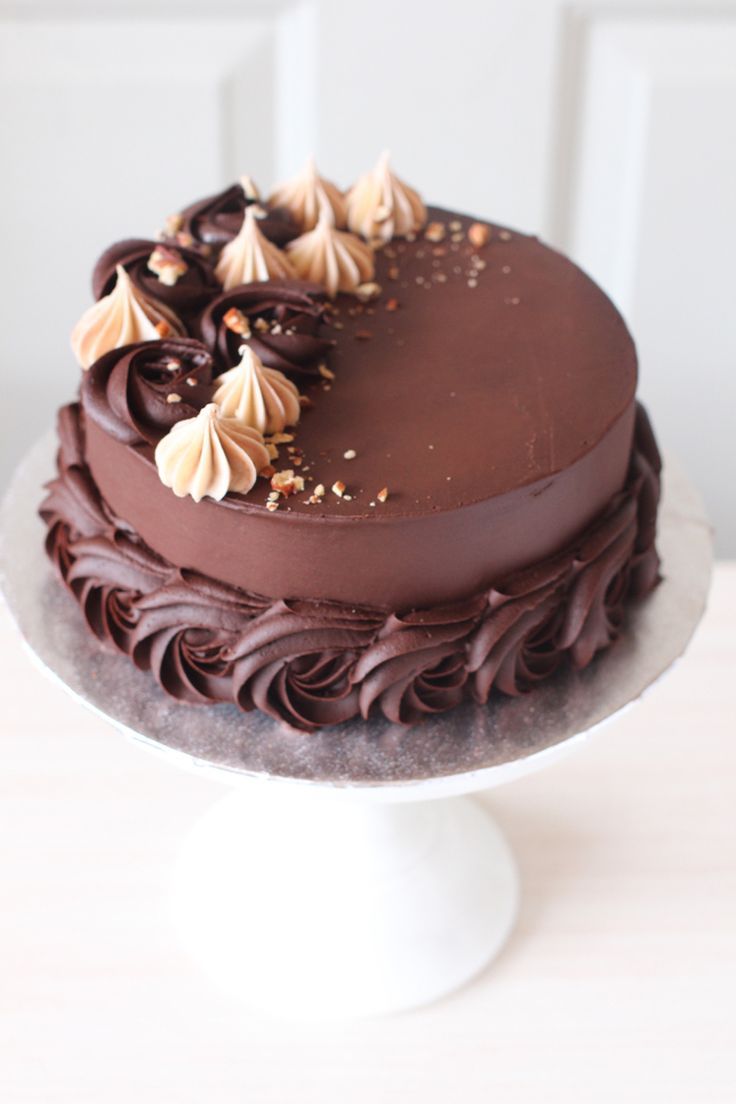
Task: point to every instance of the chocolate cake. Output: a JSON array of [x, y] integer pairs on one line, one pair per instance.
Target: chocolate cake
[[336, 455]]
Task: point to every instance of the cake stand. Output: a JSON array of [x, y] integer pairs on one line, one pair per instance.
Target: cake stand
[[345, 873]]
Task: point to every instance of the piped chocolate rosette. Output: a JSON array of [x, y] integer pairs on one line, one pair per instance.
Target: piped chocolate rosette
[[180, 278], [282, 321], [138, 393], [215, 220]]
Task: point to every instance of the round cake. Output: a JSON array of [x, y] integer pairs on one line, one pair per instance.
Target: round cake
[[341, 453]]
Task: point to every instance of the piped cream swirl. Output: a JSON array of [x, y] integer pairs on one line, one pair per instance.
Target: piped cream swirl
[[334, 258], [210, 455], [250, 257], [260, 397], [308, 195], [381, 206], [120, 318]]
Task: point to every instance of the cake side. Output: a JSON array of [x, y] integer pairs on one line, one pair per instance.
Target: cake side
[[311, 664]]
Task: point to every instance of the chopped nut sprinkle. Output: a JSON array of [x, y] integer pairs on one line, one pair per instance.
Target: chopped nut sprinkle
[[287, 482], [504, 235], [163, 329], [366, 292], [236, 321], [349, 455], [173, 223], [338, 488], [172, 397], [382, 494], [326, 372], [392, 304], [280, 439], [167, 264], [479, 234], [435, 232], [319, 490], [261, 325]]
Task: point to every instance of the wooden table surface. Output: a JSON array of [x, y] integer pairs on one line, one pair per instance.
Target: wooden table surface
[[618, 985]]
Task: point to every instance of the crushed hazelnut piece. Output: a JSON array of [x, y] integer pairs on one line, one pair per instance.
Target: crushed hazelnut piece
[[382, 494], [479, 234], [280, 438], [167, 264], [163, 329], [338, 488], [348, 498], [173, 223], [272, 451], [286, 482], [191, 382], [172, 397], [272, 506], [236, 321], [366, 292], [349, 455], [435, 232], [392, 305], [268, 471], [320, 491], [305, 402], [326, 372]]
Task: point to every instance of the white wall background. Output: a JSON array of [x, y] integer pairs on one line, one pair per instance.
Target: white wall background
[[608, 128]]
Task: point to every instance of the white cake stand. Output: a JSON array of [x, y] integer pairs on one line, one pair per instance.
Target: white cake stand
[[344, 875]]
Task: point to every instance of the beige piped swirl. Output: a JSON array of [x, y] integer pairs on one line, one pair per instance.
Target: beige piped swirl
[[257, 396], [381, 207], [120, 318], [337, 260], [308, 195], [210, 455], [250, 257]]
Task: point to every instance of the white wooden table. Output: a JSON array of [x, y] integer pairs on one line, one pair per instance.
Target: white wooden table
[[619, 983]]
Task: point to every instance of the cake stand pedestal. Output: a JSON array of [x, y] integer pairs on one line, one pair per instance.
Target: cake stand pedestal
[[345, 874]]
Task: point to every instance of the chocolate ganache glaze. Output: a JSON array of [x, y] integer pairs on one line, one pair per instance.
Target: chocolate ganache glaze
[[496, 408], [314, 663], [215, 220], [193, 289], [293, 339]]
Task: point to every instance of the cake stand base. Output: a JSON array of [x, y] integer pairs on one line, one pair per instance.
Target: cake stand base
[[307, 904]]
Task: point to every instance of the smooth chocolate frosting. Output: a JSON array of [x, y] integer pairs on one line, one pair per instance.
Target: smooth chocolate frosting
[[312, 663], [215, 220], [138, 392], [295, 341], [191, 292]]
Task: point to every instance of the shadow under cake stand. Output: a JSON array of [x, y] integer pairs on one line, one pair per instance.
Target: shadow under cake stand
[[344, 874]]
